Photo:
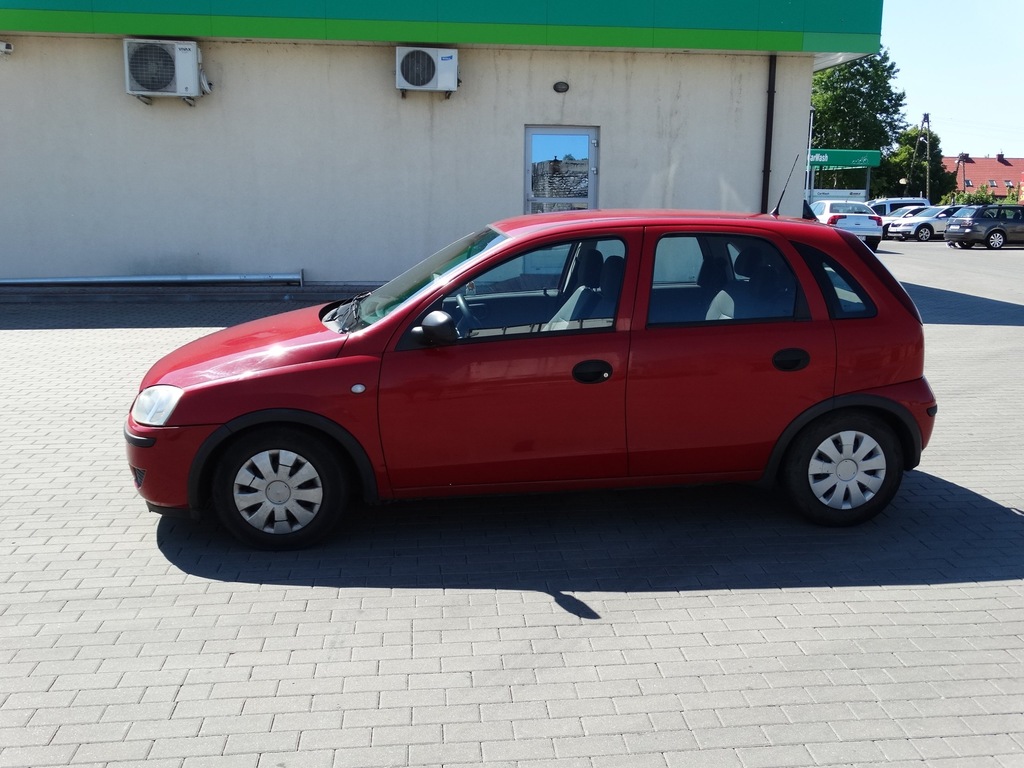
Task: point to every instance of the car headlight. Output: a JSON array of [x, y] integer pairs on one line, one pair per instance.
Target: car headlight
[[154, 405]]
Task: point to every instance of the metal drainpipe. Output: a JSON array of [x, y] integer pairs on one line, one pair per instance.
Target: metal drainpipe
[[291, 278], [769, 131]]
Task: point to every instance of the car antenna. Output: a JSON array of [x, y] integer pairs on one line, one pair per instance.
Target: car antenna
[[775, 210]]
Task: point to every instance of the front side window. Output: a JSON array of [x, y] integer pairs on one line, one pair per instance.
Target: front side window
[[570, 286], [715, 277]]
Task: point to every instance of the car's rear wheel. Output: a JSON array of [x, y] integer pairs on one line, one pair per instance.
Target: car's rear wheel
[[924, 233], [843, 469], [873, 242], [995, 240], [280, 488], [964, 244]]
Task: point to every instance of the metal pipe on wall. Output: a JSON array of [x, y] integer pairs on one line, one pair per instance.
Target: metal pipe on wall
[[769, 133]]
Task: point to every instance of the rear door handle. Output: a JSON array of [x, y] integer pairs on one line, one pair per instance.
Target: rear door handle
[[592, 371], [791, 359]]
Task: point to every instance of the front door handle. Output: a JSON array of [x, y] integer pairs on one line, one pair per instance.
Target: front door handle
[[592, 372], [791, 359]]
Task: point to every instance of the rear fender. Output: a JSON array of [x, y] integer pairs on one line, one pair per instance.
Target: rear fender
[[897, 416]]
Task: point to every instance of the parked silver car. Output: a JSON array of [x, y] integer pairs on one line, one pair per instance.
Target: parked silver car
[[899, 213], [925, 225]]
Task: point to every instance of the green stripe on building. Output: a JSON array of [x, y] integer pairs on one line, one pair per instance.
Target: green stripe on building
[[746, 25]]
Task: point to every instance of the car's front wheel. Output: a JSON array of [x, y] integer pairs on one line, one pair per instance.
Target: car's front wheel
[[995, 240], [924, 233], [843, 469], [280, 488]]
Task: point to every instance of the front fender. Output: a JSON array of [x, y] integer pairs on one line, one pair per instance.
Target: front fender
[[202, 466]]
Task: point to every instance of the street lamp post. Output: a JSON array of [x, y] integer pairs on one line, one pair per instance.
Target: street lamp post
[[928, 158]]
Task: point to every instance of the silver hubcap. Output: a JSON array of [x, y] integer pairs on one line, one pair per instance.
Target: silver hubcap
[[278, 491], [846, 470], [996, 240]]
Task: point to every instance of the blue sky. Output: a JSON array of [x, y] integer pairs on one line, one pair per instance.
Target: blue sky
[[963, 64]]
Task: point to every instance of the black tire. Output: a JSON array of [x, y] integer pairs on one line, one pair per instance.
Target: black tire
[[965, 245], [924, 233], [995, 240], [873, 242], [843, 469], [305, 498]]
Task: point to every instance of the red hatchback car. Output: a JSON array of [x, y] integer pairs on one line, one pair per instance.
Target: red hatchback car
[[592, 349]]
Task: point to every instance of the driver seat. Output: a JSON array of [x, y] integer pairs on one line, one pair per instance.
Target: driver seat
[[580, 303]]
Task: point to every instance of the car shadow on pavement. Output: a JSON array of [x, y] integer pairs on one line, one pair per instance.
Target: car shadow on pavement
[[675, 540], [940, 307]]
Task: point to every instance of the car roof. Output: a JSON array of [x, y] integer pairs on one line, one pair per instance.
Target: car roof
[[538, 222]]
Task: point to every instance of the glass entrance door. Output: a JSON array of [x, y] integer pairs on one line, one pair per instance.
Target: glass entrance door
[[561, 168]]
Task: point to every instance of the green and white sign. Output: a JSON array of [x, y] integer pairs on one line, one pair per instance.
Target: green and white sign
[[841, 159]]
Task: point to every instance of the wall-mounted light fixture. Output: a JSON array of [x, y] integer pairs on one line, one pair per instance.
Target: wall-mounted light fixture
[[561, 86]]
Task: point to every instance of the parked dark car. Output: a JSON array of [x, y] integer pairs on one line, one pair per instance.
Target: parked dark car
[[993, 225]]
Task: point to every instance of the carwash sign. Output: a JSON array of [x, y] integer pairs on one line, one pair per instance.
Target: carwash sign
[[841, 159]]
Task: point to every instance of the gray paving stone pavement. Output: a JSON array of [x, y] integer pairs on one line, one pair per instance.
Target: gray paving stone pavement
[[653, 629]]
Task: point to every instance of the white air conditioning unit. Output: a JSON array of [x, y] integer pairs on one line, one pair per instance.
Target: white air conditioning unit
[[163, 68], [426, 69]]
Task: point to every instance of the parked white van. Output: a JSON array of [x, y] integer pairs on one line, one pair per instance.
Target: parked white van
[[884, 206]]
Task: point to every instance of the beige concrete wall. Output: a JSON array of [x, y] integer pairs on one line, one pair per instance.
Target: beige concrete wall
[[306, 156]]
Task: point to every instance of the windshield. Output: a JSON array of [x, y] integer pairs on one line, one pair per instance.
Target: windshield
[[381, 302]]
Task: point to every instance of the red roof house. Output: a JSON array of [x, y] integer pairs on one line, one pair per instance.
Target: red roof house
[[998, 173]]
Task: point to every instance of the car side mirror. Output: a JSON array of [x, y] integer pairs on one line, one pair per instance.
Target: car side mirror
[[436, 329]]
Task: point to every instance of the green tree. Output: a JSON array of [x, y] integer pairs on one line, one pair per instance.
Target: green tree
[[856, 107], [909, 169]]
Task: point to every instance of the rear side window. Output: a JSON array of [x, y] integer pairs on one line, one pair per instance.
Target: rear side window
[[716, 277], [845, 297]]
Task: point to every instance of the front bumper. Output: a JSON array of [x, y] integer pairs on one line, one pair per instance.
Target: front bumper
[[161, 459]]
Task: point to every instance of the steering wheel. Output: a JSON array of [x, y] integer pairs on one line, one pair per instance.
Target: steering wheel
[[468, 321]]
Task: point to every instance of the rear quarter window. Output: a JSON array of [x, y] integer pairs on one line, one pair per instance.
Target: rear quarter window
[[845, 297]]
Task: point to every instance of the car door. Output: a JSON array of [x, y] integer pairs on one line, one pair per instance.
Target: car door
[[520, 397], [712, 388], [1015, 224]]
